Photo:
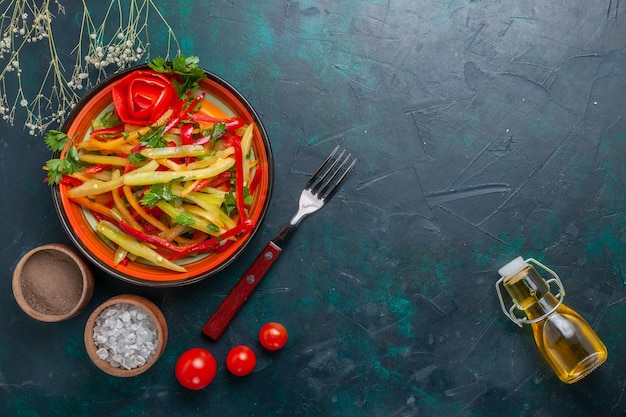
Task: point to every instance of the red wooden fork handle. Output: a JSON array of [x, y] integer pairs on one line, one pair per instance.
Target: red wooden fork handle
[[218, 322]]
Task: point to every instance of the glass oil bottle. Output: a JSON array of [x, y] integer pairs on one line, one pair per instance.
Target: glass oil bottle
[[564, 338]]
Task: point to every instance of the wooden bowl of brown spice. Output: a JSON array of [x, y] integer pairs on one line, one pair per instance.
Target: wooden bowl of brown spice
[[52, 283]]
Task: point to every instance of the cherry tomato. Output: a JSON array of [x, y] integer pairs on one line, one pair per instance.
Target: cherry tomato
[[241, 360], [196, 368], [273, 336]]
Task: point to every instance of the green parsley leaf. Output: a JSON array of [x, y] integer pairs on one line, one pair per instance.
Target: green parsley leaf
[[159, 64], [247, 198], [109, 119], [218, 131], [71, 160], [215, 132], [185, 219], [59, 167], [156, 193], [136, 159], [56, 140], [183, 64], [154, 137], [188, 73], [230, 203], [55, 170]]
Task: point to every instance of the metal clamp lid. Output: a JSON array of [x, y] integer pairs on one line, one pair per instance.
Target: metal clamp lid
[[520, 321]]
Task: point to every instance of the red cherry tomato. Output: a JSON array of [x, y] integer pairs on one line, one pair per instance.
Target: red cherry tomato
[[273, 336], [241, 360], [196, 368]]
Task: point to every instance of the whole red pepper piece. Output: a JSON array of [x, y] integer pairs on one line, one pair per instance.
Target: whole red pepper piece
[[143, 96]]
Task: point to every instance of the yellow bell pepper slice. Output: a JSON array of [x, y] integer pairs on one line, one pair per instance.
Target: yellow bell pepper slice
[[163, 177], [95, 187], [117, 236]]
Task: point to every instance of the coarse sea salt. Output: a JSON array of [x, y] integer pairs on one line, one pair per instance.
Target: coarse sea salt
[[125, 336]]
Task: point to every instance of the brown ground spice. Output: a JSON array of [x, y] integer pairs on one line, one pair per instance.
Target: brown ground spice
[[52, 283]]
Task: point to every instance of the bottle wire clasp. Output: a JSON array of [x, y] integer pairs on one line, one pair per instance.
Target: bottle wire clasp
[[520, 321]]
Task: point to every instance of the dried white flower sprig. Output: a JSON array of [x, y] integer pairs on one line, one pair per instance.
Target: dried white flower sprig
[[120, 40]]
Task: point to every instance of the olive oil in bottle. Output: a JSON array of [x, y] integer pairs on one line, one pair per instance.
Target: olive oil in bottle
[[563, 337]]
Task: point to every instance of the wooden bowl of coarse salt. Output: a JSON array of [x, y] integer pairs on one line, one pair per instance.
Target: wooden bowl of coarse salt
[[125, 335], [52, 283]]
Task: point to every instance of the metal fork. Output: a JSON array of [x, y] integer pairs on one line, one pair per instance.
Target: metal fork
[[322, 185]]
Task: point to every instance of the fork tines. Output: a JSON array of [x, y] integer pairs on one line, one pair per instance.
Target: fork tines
[[335, 169]]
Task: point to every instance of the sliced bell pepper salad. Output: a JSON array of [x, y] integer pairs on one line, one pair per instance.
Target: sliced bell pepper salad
[[169, 180]]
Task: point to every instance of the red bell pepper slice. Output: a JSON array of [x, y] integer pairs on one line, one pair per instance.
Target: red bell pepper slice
[[231, 124], [202, 184], [107, 131], [186, 138], [215, 182], [209, 245], [138, 148], [191, 106], [176, 117], [255, 181], [186, 134], [96, 169], [99, 217], [129, 167], [67, 180], [183, 111], [147, 238], [147, 226], [214, 244]]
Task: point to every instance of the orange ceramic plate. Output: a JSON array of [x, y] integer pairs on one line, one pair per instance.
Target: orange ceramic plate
[[80, 225]]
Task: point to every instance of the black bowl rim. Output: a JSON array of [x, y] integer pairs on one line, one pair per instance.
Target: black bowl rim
[[56, 195]]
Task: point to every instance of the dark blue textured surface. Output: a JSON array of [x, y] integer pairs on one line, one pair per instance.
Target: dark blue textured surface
[[484, 130]]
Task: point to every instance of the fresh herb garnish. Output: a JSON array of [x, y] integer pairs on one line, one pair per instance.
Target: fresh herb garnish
[[230, 200], [136, 159], [58, 167], [156, 193], [247, 198], [109, 119], [230, 203], [185, 68], [216, 131], [154, 137], [56, 140], [185, 219]]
